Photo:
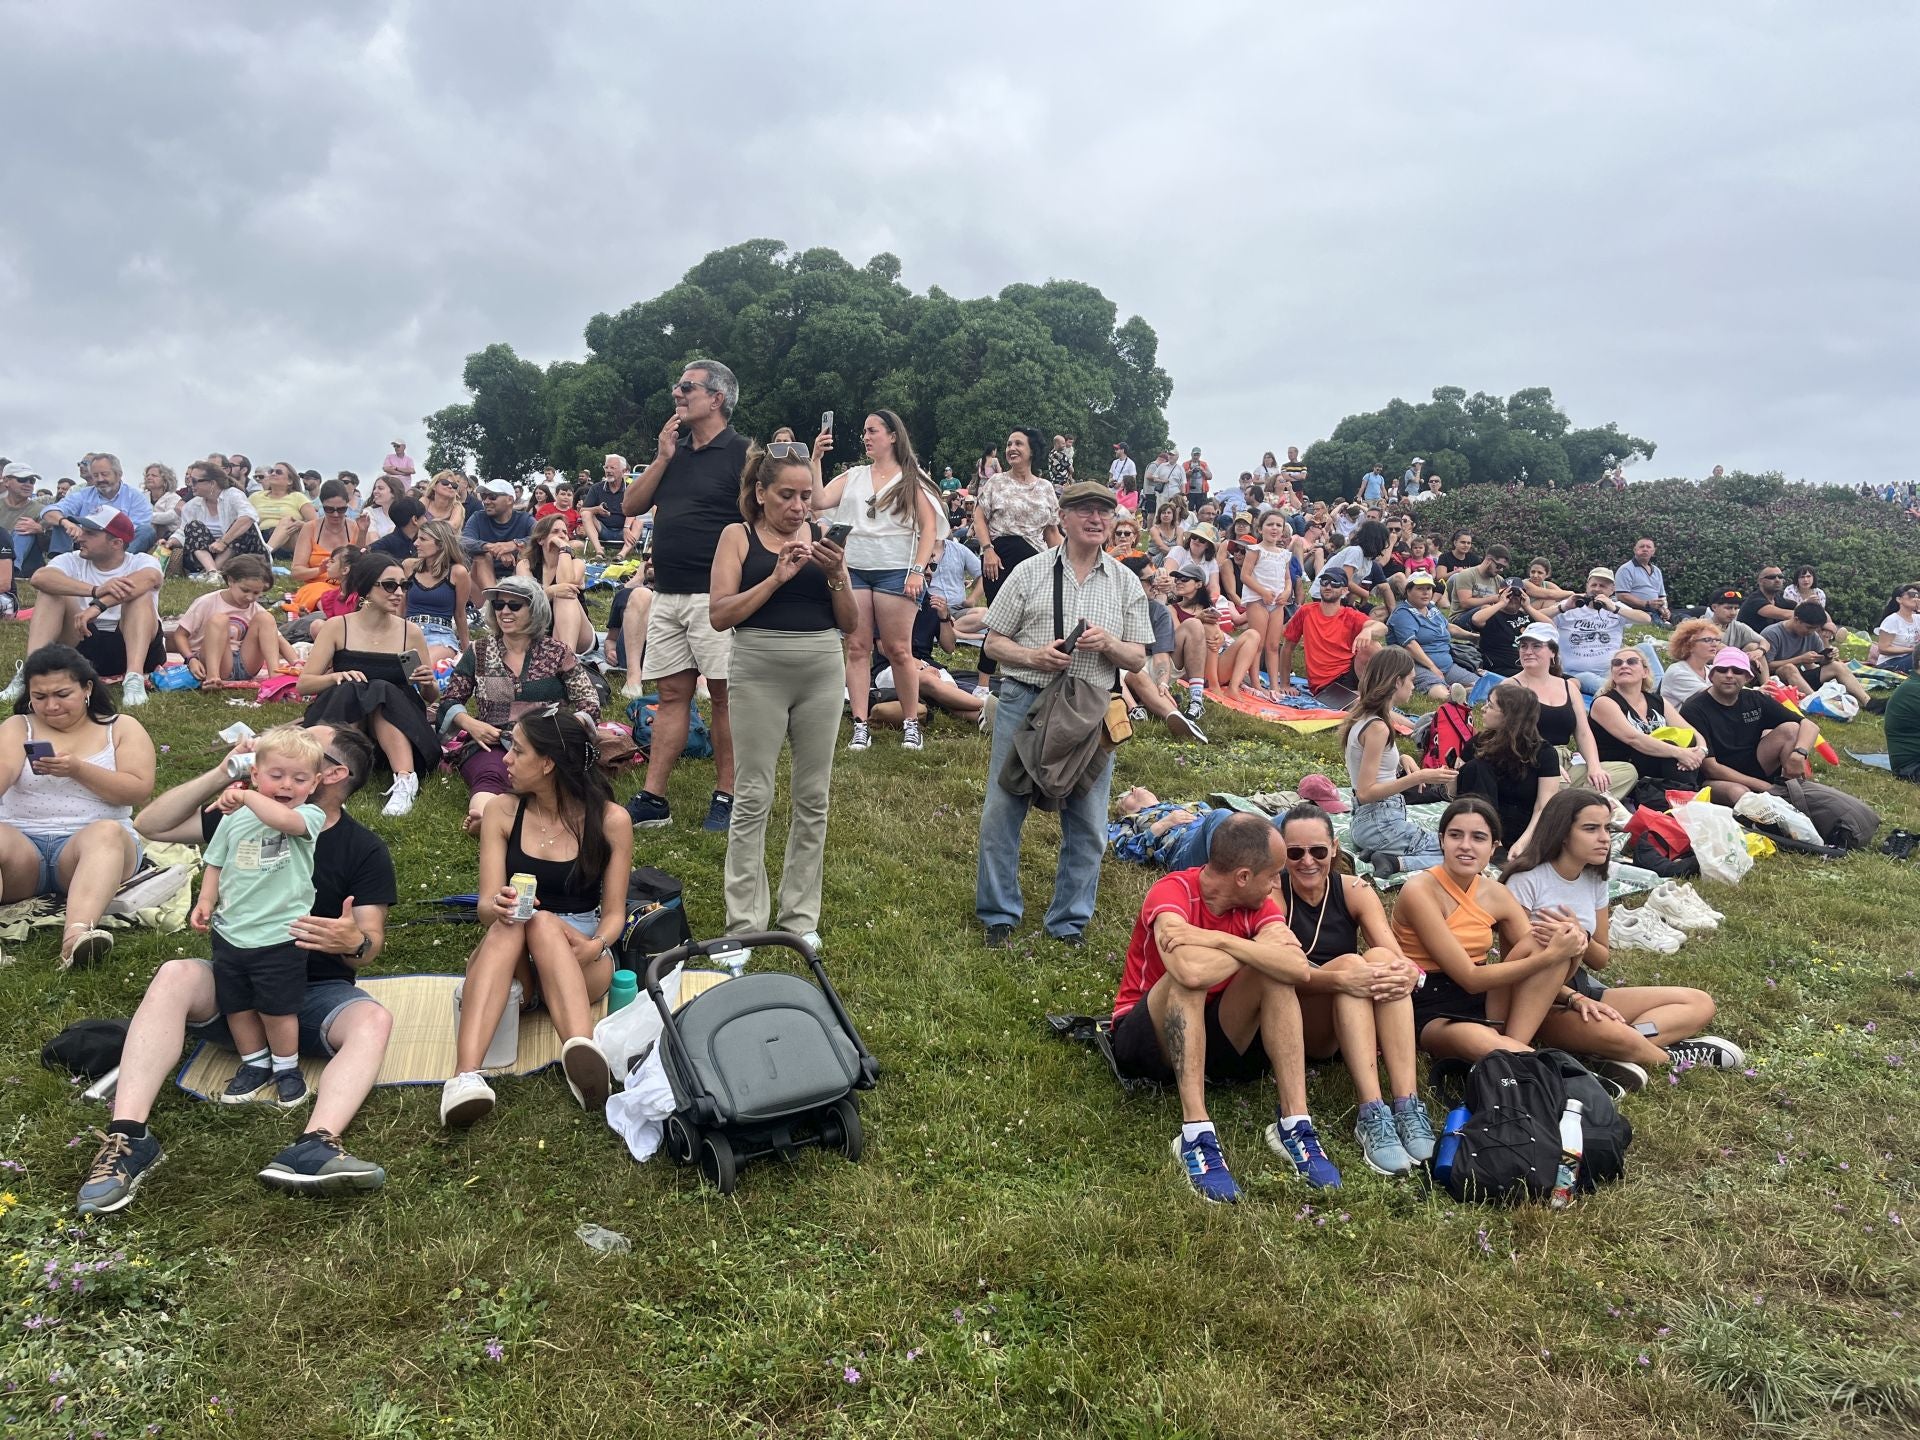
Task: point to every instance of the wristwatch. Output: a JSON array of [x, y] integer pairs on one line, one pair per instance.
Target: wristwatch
[[916, 569], [366, 942], [1801, 751]]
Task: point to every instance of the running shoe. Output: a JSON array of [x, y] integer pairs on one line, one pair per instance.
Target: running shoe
[[133, 690], [1707, 1050], [1679, 908], [1624, 1073], [649, 811], [1379, 1140], [1301, 1144], [1415, 1125], [317, 1164], [862, 737], [400, 798], [1642, 929], [1206, 1168], [910, 735], [119, 1166], [719, 813], [1197, 706]]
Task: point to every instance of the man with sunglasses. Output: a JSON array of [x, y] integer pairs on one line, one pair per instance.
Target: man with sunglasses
[[1327, 627], [693, 488], [353, 884], [1753, 741], [493, 538]]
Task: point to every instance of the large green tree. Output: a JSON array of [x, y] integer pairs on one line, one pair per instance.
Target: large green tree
[[1525, 439], [809, 331]]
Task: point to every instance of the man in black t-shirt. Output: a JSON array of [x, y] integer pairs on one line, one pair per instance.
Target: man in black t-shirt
[[406, 514], [353, 884], [693, 489], [1500, 621], [1753, 741], [1765, 607]]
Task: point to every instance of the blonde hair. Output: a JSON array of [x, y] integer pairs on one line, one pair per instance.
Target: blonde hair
[[294, 743], [1647, 687]]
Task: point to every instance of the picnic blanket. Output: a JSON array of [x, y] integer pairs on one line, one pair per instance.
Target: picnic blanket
[[421, 1051], [1301, 713]]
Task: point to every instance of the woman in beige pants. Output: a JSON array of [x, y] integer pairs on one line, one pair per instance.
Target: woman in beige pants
[[784, 596]]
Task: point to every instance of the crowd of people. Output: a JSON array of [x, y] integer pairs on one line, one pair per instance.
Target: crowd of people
[[429, 621]]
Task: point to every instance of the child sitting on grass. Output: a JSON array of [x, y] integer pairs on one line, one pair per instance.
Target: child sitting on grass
[[259, 880], [227, 634]]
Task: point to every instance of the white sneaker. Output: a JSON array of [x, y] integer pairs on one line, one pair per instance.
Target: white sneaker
[[1643, 929], [133, 690], [464, 1099], [400, 798], [1678, 907], [862, 737], [17, 686], [910, 735], [812, 937], [633, 689], [588, 1075]]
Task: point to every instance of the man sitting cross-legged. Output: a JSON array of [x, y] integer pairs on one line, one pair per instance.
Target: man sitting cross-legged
[[1208, 994], [353, 884]]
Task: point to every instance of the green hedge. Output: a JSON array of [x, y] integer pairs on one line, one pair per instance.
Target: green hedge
[[1710, 535]]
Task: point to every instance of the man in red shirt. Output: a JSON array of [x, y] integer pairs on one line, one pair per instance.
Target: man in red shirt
[[1329, 628], [1210, 971]]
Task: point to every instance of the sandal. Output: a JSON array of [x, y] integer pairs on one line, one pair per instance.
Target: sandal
[[90, 945]]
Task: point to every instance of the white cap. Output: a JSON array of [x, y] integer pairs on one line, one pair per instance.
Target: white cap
[[498, 487], [19, 471]]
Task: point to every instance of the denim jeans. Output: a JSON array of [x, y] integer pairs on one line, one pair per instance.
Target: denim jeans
[[58, 542], [1384, 826], [1588, 681], [1083, 833]]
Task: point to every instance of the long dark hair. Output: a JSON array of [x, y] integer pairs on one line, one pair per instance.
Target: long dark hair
[[758, 473], [1472, 805], [1385, 671], [1893, 600], [65, 660], [579, 783], [1552, 829], [1512, 742], [537, 544], [367, 570]]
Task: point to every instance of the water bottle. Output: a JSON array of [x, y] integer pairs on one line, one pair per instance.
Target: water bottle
[[1567, 1178], [1449, 1143], [625, 990]]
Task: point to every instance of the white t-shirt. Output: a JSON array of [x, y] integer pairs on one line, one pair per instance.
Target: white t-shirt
[[1588, 638], [76, 566], [1904, 632], [882, 540], [1585, 895], [1121, 469], [228, 506]]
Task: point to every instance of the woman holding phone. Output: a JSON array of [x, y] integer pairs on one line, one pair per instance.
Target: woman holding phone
[[787, 599], [369, 670]]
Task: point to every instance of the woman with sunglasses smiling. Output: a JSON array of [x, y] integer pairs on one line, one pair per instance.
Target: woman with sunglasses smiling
[[898, 524], [447, 500], [318, 539], [1625, 713], [1126, 537], [1357, 999], [786, 599], [369, 670], [282, 507], [515, 665]]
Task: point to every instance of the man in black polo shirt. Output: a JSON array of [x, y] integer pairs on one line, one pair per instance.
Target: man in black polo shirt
[[406, 514], [693, 489]]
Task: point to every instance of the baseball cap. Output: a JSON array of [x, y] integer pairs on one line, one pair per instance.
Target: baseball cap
[[1082, 491], [109, 521], [1319, 790], [20, 471], [1421, 578], [1732, 659], [1196, 449], [1417, 460], [1191, 572], [497, 487], [1542, 633], [1725, 597], [1599, 572]]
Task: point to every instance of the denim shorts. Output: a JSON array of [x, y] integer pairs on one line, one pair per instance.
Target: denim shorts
[[319, 1008], [884, 582], [436, 630], [50, 848], [584, 921]]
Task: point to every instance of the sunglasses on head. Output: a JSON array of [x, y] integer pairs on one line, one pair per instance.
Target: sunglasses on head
[[509, 602], [1301, 852], [788, 450]]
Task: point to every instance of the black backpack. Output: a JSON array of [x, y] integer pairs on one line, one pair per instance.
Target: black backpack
[[1605, 1133], [1510, 1147], [88, 1048]]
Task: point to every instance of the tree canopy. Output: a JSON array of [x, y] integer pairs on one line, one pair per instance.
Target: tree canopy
[[806, 332], [1470, 439]]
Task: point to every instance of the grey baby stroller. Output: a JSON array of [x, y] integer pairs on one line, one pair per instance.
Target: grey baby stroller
[[765, 1064]]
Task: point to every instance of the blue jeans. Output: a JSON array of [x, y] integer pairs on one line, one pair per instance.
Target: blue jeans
[[1588, 682], [58, 542], [1083, 833], [1383, 826]]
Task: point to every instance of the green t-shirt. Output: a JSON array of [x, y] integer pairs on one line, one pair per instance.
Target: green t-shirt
[[1903, 724], [266, 877]]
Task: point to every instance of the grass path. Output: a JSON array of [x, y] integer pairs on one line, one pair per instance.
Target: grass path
[[1017, 1255]]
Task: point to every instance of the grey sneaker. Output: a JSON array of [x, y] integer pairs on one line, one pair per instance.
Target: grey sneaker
[[1379, 1140], [1415, 1125], [17, 686], [316, 1164], [910, 735], [119, 1166]]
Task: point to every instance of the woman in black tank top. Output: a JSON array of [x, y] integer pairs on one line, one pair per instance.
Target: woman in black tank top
[[1357, 999], [560, 825]]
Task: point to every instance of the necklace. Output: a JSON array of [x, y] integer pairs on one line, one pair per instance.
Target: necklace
[[1320, 915]]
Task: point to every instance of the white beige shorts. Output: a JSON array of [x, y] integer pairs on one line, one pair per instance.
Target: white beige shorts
[[681, 637]]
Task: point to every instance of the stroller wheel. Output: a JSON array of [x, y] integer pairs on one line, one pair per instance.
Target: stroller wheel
[[841, 1128], [716, 1162], [683, 1141]]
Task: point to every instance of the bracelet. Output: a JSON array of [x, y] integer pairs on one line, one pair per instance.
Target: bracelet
[[916, 569], [836, 588]]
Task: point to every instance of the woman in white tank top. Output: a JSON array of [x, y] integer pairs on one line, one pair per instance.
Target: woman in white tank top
[[87, 769]]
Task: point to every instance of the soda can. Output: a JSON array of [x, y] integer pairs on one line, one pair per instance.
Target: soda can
[[240, 766], [524, 897]]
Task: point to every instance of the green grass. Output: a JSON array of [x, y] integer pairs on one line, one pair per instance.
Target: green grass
[[1017, 1254]]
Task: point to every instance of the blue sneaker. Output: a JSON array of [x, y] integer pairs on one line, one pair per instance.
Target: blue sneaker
[[1301, 1145], [1206, 1168], [719, 814], [1415, 1125], [119, 1167], [316, 1164], [649, 811], [249, 1086], [1379, 1140]]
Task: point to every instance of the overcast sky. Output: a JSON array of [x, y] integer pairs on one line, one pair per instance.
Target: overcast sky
[[281, 229]]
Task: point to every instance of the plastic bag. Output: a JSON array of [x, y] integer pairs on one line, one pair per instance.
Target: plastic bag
[[1718, 842], [634, 1029], [1768, 809], [174, 677], [1760, 846], [1832, 701]]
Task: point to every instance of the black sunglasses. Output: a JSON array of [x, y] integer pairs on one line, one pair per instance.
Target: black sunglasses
[[392, 587], [509, 602], [334, 509], [1300, 852], [687, 387]]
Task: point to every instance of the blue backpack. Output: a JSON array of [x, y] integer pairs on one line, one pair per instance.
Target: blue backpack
[[640, 716]]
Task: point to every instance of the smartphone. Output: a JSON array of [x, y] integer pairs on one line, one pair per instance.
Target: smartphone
[[1073, 635], [826, 422], [838, 534], [412, 661], [39, 750]]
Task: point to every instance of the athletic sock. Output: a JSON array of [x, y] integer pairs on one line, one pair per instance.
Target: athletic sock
[[132, 1129], [1287, 1122], [258, 1057], [285, 1062], [1371, 1106], [1196, 687], [1192, 1130]]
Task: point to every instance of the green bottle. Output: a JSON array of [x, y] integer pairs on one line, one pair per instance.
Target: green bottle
[[625, 989]]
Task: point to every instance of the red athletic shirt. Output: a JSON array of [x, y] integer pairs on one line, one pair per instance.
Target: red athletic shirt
[[1179, 894], [1329, 640]]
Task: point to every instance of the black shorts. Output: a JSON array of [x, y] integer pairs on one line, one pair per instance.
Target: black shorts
[[1137, 1052], [106, 651], [270, 981], [1441, 998]]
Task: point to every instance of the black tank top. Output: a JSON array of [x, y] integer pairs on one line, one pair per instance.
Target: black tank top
[[1556, 721], [559, 886], [802, 604], [1337, 934]]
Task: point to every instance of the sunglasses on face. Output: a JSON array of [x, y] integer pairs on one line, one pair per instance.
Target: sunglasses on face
[[1726, 670], [788, 450], [509, 602], [1301, 852], [334, 509], [687, 387], [392, 587], [1625, 662]]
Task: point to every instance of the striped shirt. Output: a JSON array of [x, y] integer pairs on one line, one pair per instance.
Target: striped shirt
[[1111, 600]]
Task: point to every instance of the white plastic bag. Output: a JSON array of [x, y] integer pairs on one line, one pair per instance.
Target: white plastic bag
[[1832, 701], [633, 1029], [1767, 809], [1718, 842]]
